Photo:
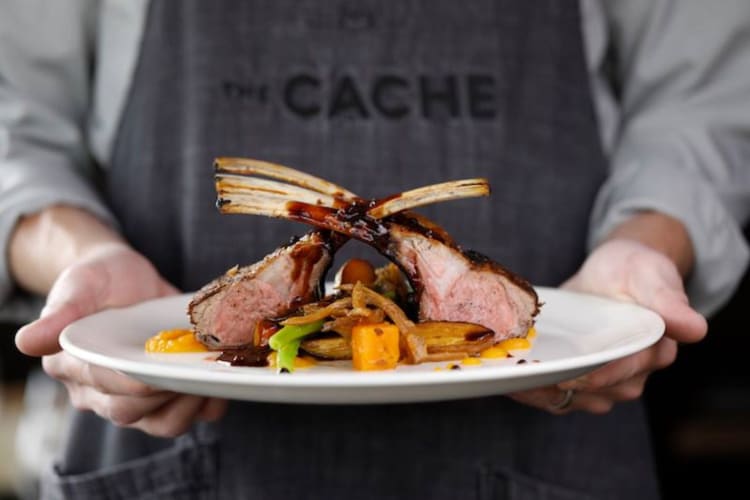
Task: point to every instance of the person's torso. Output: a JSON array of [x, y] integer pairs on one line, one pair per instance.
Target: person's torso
[[377, 97]]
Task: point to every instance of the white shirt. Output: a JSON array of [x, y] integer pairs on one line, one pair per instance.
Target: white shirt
[[670, 81]]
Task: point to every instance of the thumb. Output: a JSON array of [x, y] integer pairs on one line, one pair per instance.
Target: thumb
[[69, 301], [683, 323], [40, 337], [72, 297]]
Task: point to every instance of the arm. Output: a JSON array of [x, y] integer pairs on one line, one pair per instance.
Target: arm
[[643, 260], [44, 88], [77, 238], [666, 224], [661, 233], [73, 233], [680, 79], [56, 234], [91, 269]]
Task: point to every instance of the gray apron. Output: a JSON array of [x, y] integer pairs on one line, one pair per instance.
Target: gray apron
[[379, 97]]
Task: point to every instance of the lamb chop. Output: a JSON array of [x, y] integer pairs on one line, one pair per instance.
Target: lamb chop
[[457, 285], [451, 284], [226, 311]]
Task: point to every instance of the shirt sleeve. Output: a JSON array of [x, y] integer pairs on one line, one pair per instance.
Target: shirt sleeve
[[681, 76], [44, 93]]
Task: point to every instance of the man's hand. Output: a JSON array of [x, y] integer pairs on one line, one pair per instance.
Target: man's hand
[[624, 269], [106, 273]]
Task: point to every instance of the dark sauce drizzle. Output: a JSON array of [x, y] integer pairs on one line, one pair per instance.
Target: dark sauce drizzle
[[248, 356]]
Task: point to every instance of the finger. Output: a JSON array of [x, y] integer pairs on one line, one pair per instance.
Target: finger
[[213, 409], [40, 337], [656, 357], [591, 403], [549, 398], [628, 390], [172, 419], [120, 410], [544, 398], [74, 295], [65, 367], [66, 304], [683, 323]]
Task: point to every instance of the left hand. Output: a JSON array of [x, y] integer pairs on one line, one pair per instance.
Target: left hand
[[625, 270], [110, 275]]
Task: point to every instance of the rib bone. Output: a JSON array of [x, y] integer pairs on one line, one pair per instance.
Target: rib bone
[[240, 192], [435, 193], [247, 166], [266, 197], [248, 195]]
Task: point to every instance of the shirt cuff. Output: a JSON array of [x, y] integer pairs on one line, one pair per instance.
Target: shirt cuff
[[656, 179], [51, 187]]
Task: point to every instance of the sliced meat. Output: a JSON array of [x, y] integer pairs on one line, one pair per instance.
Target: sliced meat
[[451, 284], [456, 285], [225, 312]]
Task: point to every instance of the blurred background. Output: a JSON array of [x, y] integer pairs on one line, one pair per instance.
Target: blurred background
[[699, 410]]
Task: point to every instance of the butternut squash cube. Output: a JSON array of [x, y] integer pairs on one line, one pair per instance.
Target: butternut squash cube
[[375, 346]]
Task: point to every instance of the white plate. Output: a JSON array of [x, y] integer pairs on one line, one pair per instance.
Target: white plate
[[576, 334]]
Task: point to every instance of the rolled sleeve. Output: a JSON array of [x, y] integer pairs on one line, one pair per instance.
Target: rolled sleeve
[[683, 145], [44, 95], [654, 177], [40, 181]]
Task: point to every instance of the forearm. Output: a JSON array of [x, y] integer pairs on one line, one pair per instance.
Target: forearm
[[44, 244], [662, 233]]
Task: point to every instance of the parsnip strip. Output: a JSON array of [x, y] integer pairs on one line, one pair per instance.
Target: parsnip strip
[[390, 308], [446, 356], [320, 313], [414, 347]]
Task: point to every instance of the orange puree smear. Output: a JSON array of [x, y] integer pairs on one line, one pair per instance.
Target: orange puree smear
[[512, 344], [500, 350], [172, 341], [494, 352], [471, 361]]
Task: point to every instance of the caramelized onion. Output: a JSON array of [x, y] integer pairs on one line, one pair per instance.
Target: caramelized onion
[[321, 313], [363, 295]]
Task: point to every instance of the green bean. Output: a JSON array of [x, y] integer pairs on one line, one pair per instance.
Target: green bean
[[286, 343]]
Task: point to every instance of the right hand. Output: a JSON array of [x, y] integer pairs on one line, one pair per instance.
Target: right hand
[[110, 275]]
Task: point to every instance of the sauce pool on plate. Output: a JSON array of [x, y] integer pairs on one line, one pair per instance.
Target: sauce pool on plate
[[174, 341]]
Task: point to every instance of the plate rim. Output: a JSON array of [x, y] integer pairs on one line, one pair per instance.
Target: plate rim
[[241, 376]]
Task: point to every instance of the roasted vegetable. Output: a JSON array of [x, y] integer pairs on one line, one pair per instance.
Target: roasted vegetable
[[391, 282], [452, 336], [375, 346], [355, 270], [321, 313], [361, 324], [328, 347], [287, 341]]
